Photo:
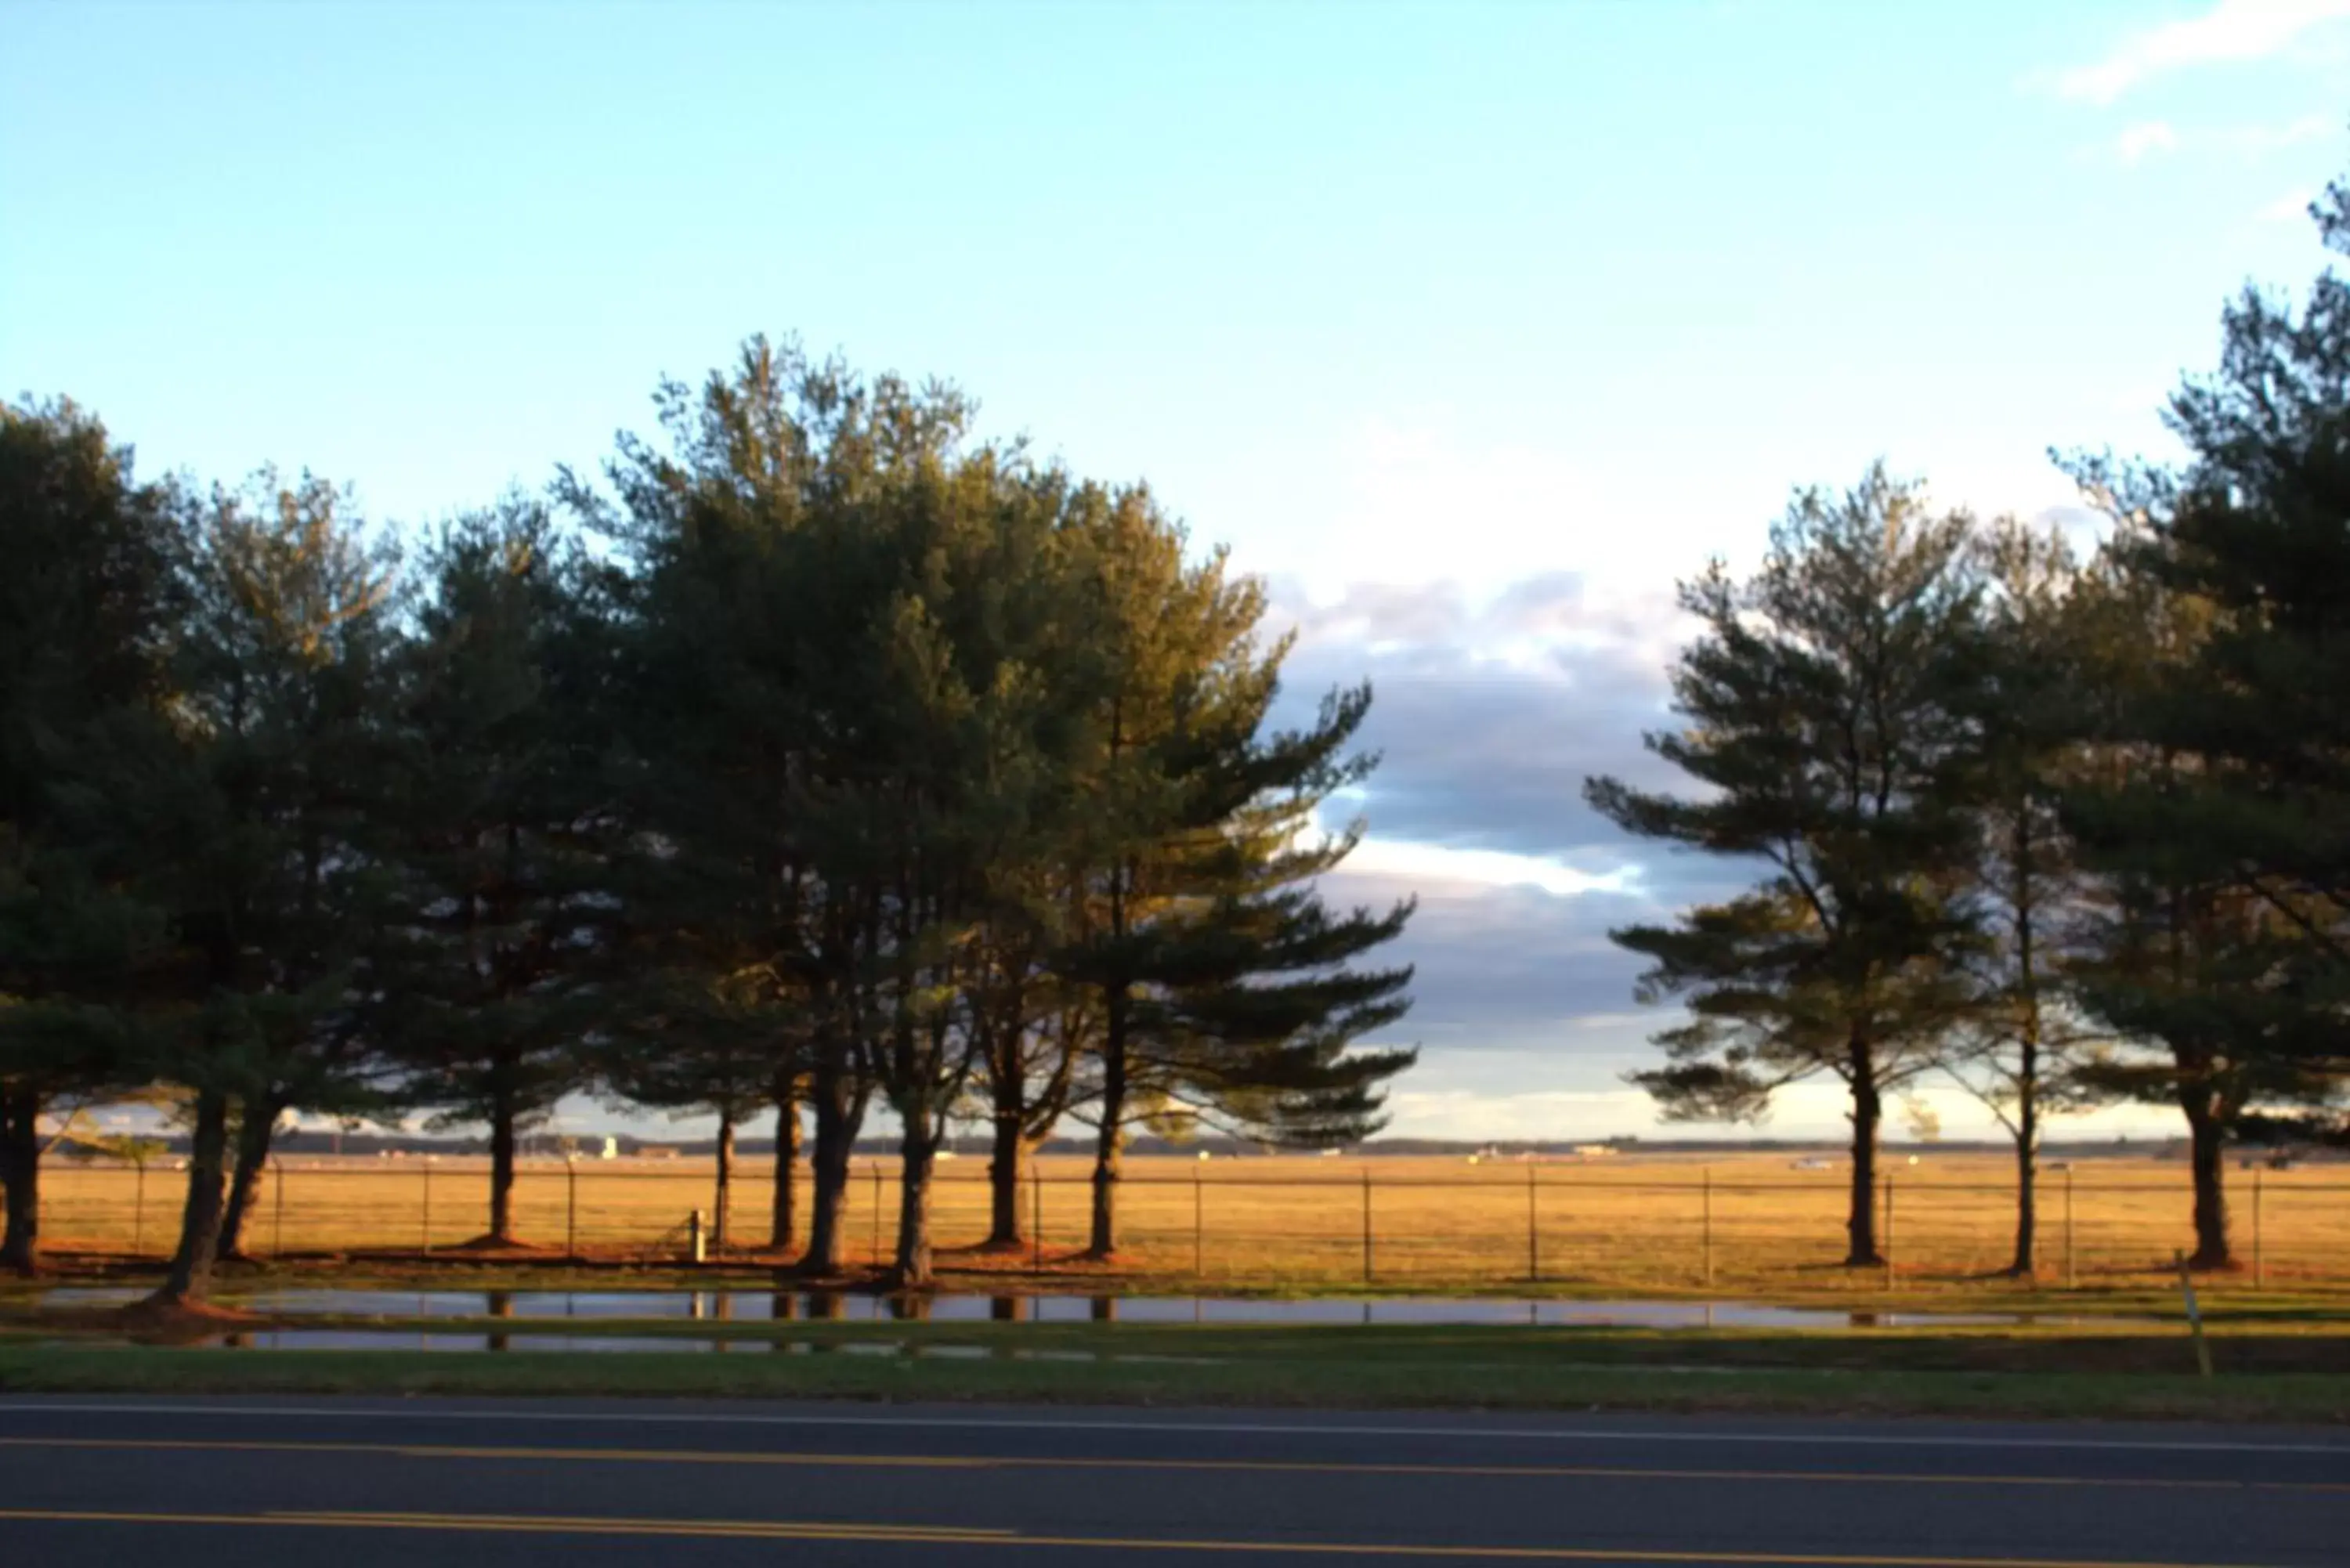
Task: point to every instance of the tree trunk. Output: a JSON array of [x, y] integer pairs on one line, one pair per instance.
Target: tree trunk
[[920, 1151], [1867, 1111], [839, 1110], [191, 1275], [503, 1116], [722, 1200], [2027, 1178], [788, 1153], [2207, 1155], [1005, 1231], [253, 1131], [1110, 1144], [20, 1174], [1109, 1150]]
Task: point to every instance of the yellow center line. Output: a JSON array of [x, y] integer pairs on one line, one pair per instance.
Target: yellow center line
[[1265, 1466], [781, 1530]]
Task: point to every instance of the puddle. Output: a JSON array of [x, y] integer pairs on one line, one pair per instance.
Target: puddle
[[640, 1344], [393, 1339], [818, 1306]]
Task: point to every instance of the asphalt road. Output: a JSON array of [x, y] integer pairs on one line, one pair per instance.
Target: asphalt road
[[362, 1482]]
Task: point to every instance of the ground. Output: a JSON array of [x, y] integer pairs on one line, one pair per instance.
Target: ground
[[1636, 1223]]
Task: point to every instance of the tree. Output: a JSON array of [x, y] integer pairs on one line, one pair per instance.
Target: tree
[[502, 830], [273, 858], [758, 564], [2178, 957], [1216, 983], [1826, 709], [2018, 1045], [963, 786], [87, 611], [2223, 833]]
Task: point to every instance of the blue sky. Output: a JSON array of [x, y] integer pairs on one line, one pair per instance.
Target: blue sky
[[1472, 327]]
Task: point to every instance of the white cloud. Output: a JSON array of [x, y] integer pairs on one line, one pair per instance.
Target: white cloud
[[2153, 136], [1423, 863], [2231, 31]]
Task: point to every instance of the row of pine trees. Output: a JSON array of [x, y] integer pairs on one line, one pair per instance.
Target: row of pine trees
[[811, 757], [2072, 827]]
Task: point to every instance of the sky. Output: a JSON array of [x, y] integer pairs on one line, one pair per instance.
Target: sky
[[1472, 328]]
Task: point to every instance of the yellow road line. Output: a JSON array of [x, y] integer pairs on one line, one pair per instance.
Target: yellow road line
[[1269, 1467], [780, 1530]]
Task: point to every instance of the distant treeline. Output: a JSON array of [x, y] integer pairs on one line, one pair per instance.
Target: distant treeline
[[811, 755], [2067, 829], [2286, 1140]]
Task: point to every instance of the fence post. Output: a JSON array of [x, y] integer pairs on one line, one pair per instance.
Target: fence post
[[1198, 1226], [277, 1200], [2260, 1266], [2072, 1279], [1367, 1224], [877, 1213], [137, 1207], [1035, 1217], [571, 1210], [1533, 1232], [1707, 1224], [428, 1204], [2194, 1314], [1887, 1243]]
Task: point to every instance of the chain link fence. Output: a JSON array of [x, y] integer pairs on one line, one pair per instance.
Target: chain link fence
[[1383, 1223]]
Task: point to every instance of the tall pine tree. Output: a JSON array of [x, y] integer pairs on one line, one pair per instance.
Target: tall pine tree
[[1826, 712], [89, 605]]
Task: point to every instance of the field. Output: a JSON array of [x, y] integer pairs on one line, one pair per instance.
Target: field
[[1738, 1221]]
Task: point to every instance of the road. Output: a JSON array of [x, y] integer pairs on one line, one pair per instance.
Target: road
[[366, 1482]]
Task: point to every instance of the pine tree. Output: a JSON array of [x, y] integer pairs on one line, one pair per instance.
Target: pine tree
[[88, 603], [761, 572], [1217, 983], [502, 831], [276, 867], [1825, 710], [2020, 1042], [2221, 831]]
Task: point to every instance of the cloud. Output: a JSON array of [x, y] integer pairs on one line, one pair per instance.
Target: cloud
[[1488, 716], [2153, 136], [2233, 31]]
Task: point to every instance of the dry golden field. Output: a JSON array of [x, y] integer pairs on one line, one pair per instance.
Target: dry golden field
[[1737, 1221]]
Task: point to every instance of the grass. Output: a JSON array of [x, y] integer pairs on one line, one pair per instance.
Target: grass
[[1928, 1374], [1642, 1227], [2279, 1356], [1739, 1223]]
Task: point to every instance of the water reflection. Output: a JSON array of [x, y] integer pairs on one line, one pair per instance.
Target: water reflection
[[783, 1304]]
